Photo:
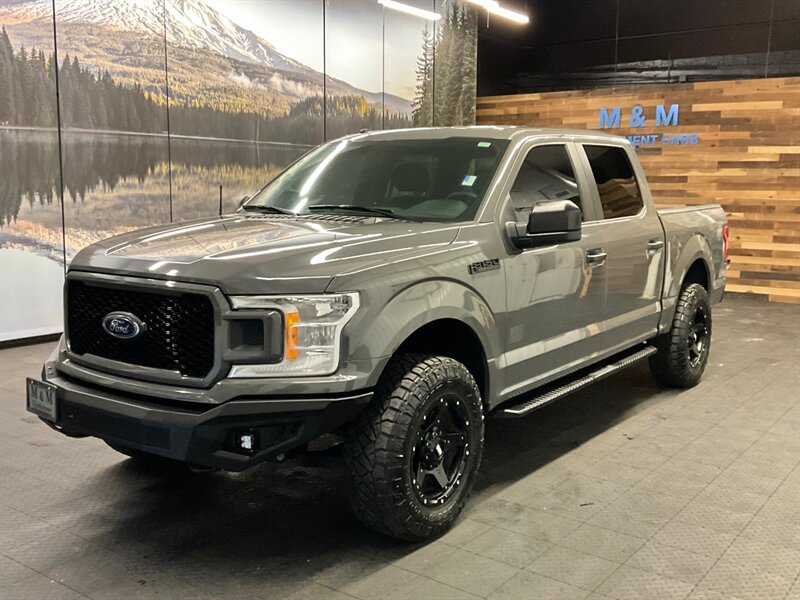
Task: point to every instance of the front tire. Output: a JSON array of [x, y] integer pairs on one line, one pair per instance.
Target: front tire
[[683, 351], [414, 453]]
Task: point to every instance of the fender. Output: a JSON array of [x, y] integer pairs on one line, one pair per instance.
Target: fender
[[679, 260], [423, 303]]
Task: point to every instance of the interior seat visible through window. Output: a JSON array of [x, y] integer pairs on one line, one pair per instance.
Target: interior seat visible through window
[[546, 174], [410, 181]]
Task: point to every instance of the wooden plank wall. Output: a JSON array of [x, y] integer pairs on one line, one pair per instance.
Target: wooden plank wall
[[747, 159]]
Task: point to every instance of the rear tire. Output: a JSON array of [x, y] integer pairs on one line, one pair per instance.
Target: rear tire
[[683, 351], [414, 453]]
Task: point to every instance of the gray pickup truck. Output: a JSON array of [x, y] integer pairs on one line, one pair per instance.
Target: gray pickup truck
[[388, 290]]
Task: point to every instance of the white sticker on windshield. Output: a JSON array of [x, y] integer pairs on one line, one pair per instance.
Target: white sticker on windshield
[[469, 180]]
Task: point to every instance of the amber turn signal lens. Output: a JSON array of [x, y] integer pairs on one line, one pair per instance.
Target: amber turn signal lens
[[290, 352]]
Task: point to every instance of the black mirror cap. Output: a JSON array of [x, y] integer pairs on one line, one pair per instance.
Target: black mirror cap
[[552, 222], [554, 216]]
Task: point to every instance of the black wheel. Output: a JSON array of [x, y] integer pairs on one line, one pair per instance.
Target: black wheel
[[683, 351], [414, 452]]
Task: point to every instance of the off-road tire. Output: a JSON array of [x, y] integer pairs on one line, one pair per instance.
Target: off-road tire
[[382, 443], [672, 365]]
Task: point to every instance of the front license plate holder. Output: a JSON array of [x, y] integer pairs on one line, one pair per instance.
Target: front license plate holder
[[42, 399]]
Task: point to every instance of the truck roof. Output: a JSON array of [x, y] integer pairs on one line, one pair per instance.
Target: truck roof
[[503, 132]]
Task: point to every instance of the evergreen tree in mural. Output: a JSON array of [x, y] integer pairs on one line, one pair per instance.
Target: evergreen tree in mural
[[27, 96], [7, 105], [27, 91], [97, 102], [422, 104], [447, 70]]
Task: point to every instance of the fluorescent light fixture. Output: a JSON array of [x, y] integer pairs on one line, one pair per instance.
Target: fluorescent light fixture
[[411, 10], [493, 7]]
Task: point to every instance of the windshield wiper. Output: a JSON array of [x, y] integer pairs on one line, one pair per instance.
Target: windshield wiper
[[268, 209], [374, 210]]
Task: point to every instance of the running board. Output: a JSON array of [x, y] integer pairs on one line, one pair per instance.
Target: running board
[[573, 383]]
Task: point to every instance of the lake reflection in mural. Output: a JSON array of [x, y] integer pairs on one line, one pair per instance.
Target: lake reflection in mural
[[115, 183]]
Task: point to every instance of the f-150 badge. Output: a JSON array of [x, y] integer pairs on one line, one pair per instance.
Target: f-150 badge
[[490, 264]]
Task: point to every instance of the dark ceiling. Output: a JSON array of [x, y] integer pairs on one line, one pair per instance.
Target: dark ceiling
[[569, 44]]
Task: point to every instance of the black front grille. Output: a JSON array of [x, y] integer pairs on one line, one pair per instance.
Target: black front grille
[[178, 333]]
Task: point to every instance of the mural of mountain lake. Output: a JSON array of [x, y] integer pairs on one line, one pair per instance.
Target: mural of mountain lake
[[115, 182]]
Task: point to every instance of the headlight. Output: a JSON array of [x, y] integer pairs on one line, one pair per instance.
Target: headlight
[[312, 332]]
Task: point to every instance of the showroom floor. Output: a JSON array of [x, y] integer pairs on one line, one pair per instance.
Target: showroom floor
[[622, 491]]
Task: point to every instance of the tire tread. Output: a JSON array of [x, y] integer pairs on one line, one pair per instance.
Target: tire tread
[[377, 440], [670, 366]]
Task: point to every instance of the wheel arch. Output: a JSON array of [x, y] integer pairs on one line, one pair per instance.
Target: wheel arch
[[438, 317], [690, 265], [691, 257], [698, 272], [454, 339]]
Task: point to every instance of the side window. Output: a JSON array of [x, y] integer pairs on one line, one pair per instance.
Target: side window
[[616, 183], [545, 175]]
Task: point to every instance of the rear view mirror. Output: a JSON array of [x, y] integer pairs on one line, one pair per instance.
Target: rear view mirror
[[550, 222]]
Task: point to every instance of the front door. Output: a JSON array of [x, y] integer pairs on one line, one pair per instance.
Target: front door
[[555, 294]]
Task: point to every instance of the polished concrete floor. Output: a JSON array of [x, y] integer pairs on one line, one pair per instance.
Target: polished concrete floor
[[622, 491]]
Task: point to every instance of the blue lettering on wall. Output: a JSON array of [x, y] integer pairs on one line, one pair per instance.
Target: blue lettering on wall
[[637, 116], [665, 116], [644, 140], [609, 121], [680, 138]]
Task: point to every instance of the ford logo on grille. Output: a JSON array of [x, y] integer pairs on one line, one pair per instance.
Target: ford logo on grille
[[123, 325]]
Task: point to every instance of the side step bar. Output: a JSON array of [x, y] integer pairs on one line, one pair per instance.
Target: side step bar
[[573, 383]]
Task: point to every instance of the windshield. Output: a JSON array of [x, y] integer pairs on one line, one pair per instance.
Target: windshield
[[436, 180]]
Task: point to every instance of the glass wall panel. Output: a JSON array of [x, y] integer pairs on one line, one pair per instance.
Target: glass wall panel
[[354, 66], [245, 83], [31, 234], [408, 67], [455, 64], [113, 118]]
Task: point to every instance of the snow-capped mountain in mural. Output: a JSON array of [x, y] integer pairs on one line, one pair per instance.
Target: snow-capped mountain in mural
[[190, 25]]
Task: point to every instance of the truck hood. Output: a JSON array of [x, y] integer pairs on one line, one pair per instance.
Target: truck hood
[[263, 254]]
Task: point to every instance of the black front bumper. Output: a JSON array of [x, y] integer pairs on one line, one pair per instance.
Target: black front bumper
[[203, 435]]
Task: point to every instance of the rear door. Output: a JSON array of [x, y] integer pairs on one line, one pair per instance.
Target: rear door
[[630, 240]]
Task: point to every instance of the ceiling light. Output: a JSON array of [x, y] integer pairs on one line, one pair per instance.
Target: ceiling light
[[493, 7], [411, 10]]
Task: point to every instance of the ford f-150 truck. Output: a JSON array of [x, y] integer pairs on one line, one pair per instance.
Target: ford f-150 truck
[[390, 289]]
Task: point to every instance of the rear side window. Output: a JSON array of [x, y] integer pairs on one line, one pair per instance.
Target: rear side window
[[616, 183], [546, 174]]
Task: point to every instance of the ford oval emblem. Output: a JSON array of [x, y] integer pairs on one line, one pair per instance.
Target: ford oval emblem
[[123, 325]]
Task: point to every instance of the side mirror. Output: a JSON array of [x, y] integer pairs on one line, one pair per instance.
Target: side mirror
[[242, 201], [552, 222]]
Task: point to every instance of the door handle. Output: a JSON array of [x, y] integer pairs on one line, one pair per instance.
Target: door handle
[[595, 258], [655, 244]]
